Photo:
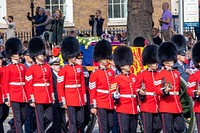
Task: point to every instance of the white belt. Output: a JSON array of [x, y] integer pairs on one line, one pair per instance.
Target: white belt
[[103, 91], [41, 84], [174, 93], [17, 83], [150, 94], [73, 86], [128, 95]]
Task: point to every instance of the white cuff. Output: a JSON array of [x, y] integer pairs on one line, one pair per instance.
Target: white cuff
[[53, 96], [85, 98], [32, 98], [63, 101], [94, 103], [8, 97]]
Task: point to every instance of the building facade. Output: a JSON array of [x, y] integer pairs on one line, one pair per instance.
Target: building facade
[[76, 12]]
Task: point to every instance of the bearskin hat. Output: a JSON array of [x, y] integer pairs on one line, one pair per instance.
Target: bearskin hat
[[13, 46], [102, 50], [139, 42], [36, 47], [70, 48], [149, 55], [196, 55], [167, 51], [180, 42], [123, 56]]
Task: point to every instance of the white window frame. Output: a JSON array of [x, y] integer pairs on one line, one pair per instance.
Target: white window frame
[[69, 20], [3, 13], [116, 21]]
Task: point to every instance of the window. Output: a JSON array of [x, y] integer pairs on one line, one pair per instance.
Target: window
[[66, 6], [2, 13], [117, 12], [117, 8]]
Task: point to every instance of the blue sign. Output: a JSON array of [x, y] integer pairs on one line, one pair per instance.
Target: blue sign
[[191, 24]]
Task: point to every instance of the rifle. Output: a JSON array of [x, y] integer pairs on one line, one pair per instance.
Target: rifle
[[165, 84]]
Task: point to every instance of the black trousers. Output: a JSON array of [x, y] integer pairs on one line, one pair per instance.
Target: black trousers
[[19, 112], [76, 118], [58, 118], [30, 123], [44, 117], [173, 123], [4, 111], [197, 115], [115, 128], [152, 122], [127, 123], [105, 119]]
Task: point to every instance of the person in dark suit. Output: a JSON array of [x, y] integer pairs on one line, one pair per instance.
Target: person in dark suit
[[96, 21], [59, 120], [30, 123]]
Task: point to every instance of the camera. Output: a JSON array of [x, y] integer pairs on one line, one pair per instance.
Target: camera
[[161, 23], [4, 17], [92, 16]]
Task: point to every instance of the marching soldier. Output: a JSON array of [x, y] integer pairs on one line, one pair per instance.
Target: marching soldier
[[39, 86], [14, 83], [146, 90], [167, 85], [71, 85], [194, 83], [124, 92], [86, 77], [100, 80], [30, 123], [4, 109]]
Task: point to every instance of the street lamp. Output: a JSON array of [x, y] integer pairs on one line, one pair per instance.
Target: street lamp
[[32, 13]]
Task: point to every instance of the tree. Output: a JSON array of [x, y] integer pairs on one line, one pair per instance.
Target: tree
[[139, 21]]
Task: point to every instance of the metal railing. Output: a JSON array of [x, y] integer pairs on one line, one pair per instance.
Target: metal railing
[[26, 35]]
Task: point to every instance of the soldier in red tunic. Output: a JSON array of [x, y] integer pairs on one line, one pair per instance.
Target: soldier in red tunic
[[71, 85], [4, 109], [167, 86], [14, 82], [194, 83], [100, 80], [124, 92], [145, 86], [39, 85]]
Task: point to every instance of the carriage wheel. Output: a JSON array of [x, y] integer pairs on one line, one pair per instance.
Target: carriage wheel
[[187, 106], [91, 124]]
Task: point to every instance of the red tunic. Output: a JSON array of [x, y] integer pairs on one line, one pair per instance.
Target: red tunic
[[171, 103], [1, 85], [193, 81], [99, 84], [126, 87], [71, 85], [39, 85], [150, 103], [14, 83]]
